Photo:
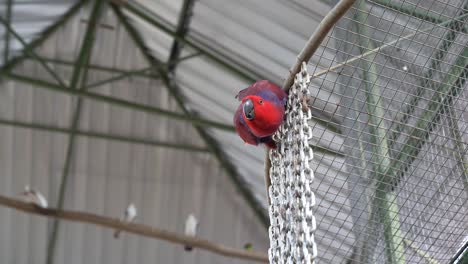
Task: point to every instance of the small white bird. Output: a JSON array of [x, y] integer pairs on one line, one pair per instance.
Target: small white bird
[[191, 226], [34, 197], [129, 215]]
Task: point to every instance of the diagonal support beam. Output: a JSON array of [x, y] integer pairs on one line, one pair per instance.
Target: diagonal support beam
[[45, 34], [182, 29], [31, 52], [149, 17], [79, 73], [6, 51], [212, 144], [188, 57], [105, 136], [118, 77]]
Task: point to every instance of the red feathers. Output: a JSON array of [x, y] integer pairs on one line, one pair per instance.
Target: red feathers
[[260, 113]]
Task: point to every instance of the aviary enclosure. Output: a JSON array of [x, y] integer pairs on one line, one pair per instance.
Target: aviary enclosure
[[112, 102]]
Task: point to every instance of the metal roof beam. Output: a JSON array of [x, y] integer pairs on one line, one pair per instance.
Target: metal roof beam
[[119, 102], [7, 33], [182, 29], [184, 58], [104, 136], [116, 70], [99, 67], [44, 35], [149, 17], [118, 77]]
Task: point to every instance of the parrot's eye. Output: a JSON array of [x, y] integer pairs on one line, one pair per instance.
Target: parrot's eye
[[260, 101], [248, 108]]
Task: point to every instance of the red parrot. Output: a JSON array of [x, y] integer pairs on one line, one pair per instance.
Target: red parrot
[[261, 113]]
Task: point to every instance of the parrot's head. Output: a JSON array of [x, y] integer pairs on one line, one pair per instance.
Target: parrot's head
[[263, 116], [253, 105]]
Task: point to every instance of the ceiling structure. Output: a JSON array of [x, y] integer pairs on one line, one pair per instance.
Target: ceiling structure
[[103, 103], [133, 100]]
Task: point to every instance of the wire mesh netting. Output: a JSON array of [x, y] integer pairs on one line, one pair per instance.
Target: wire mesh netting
[[400, 76]]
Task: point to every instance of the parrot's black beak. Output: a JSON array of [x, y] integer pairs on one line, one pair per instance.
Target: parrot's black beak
[[248, 109]]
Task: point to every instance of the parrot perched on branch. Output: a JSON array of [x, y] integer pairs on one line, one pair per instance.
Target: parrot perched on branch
[[261, 113]]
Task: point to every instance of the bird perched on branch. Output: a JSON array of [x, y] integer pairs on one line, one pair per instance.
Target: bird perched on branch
[[34, 197], [129, 215], [248, 246], [191, 226], [261, 113]]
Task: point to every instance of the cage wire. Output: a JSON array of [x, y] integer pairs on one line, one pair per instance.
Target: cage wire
[[400, 75]]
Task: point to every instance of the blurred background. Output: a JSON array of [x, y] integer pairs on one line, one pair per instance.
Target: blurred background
[[107, 103]]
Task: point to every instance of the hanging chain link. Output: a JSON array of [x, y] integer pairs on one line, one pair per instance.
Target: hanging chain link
[[293, 223]]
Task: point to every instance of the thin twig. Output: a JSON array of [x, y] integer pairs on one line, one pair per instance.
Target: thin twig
[[133, 228], [309, 49]]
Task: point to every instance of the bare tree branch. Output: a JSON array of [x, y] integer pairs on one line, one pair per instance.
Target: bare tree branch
[[138, 229]]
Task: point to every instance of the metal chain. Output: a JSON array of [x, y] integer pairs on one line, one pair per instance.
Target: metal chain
[[293, 223]]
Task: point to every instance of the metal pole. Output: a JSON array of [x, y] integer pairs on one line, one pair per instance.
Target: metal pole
[[119, 102], [386, 200], [7, 33], [79, 74], [105, 136]]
